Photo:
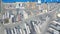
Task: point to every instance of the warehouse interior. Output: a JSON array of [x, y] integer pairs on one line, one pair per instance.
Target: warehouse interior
[[29, 17]]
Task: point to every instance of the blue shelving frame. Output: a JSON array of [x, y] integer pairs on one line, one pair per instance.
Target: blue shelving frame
[[42, 1]]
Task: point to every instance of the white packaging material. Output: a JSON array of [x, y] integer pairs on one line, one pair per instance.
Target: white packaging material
[[12, 16], [27, 29], [56, 32], [56, 22], [39, 26], [21, 31], [20, 4], [17, 18], [44, 11], [25, 15], [33, 23], [3, 17], [15, 31], [7, 14], [25, 25], [10, 20], [17, 5], [50, 29], [12, 31], [37, 29], [58, 15], [5, 31]]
